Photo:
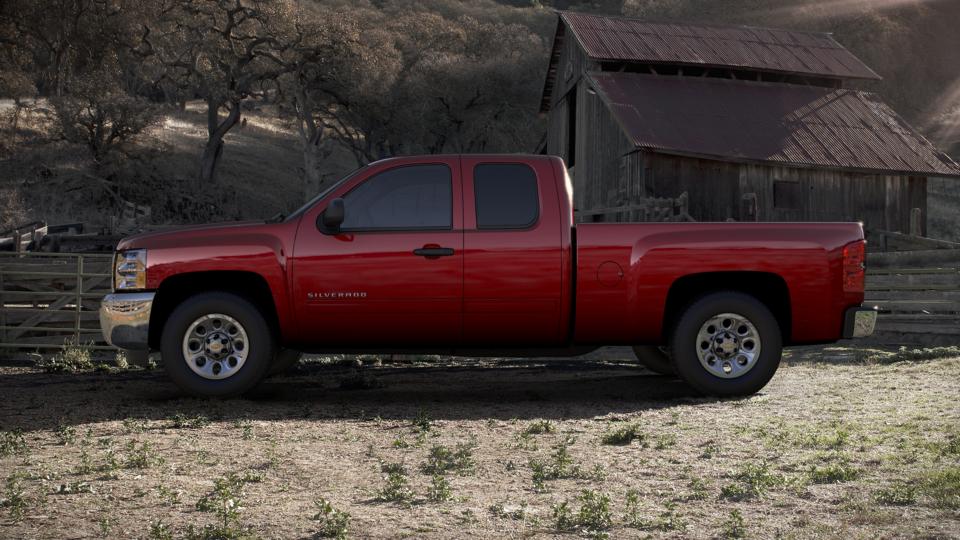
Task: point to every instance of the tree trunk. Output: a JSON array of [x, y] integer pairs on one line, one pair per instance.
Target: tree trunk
[[216, 131]]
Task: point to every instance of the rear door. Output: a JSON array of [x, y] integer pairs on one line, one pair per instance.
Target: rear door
[[513, 268], [393, 275]]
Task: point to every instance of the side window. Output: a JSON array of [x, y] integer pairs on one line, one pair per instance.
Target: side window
[[506, 196], [415, 197]]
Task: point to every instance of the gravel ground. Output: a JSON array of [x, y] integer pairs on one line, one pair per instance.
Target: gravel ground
[[838, 445]]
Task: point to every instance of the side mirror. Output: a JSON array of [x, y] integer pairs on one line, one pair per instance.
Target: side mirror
[[333, 216]]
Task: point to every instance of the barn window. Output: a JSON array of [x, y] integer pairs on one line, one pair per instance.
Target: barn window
[[786, 195]]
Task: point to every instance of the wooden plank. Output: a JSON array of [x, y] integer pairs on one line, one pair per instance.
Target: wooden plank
[[57, 304], [934, 281], [905, 271], [18, 315], [915, 306], [913, 295], [918, 328], [92, 337]]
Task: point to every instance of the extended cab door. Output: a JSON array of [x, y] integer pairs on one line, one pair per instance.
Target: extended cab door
[[393, 275], [513, 253]]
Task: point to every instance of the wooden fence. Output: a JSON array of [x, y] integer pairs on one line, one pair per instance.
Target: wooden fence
[[918, 294], [47, 299]]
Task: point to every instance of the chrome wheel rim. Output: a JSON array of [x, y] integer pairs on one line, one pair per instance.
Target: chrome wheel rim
[[728, 345], [215, 346]]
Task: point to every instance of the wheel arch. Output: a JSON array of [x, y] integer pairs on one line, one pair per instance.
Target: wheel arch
[[767, 287], [177, 288]]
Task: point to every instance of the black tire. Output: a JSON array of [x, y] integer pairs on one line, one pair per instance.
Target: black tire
[[655, 359], [684, 343], [260, 353], [284, 361]]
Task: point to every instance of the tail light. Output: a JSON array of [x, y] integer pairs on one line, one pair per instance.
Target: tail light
[[854, 266]]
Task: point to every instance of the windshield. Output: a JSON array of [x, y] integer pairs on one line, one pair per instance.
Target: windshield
[[309, 204]]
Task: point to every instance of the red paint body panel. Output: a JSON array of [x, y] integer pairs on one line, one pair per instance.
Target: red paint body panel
[[807, 256], [535, 287]]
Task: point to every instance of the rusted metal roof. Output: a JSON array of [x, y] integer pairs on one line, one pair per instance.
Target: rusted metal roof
[[742, 47], [785, 124]]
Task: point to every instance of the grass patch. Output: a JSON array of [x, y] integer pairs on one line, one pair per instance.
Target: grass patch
[[439, 490], [442, 459], [396, 484], [838, 470], [331, 523], [624, 435], [897, 495], [752, 482], [593, 518], [539, 428], [734, 527], [71, 358], [12, 443], [560, 465], [182, 421], [943, 488]]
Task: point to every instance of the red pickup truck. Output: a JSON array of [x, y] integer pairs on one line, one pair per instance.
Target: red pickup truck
[[479, 255]]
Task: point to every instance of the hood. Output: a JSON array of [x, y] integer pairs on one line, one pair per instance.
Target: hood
[[189, 234]]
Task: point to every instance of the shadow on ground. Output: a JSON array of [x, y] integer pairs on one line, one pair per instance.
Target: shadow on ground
[[452, 390]]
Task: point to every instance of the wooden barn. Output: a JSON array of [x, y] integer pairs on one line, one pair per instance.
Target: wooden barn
[[740, 123]]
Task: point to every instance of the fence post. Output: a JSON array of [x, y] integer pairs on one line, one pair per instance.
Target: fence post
[[76, 326]]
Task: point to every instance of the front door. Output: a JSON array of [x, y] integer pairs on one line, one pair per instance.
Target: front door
[[393, 275]]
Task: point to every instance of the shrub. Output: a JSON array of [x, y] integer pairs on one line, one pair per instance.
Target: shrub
[[332, 522], [442, 459], [624, 435]]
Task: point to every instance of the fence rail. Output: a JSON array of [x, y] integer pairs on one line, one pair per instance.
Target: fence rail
[[918, 295], [47, 299]]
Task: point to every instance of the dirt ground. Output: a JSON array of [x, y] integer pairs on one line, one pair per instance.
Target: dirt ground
[[834, 447]]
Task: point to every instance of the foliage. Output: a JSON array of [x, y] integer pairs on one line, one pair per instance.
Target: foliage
[[101, 116], [624, 435], [71, 358], [332, 523], [592, 518], [442, 459]]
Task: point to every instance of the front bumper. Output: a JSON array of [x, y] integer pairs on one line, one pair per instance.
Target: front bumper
[[125, 319], [859, 322]]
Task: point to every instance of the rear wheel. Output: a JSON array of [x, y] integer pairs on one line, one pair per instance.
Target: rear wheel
[[727, 344], [217, 345], [656, 359]]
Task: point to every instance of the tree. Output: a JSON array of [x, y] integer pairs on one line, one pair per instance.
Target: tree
[[222, 51], [97, 113]]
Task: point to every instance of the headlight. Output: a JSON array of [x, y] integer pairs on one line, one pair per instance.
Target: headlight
[[130, 270]]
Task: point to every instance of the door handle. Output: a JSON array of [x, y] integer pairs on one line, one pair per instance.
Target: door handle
[[433, 252]]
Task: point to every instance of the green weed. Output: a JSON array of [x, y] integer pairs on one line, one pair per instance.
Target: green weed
[[332, 523], [624, 435]]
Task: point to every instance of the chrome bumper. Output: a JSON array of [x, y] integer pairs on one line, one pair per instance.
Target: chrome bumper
[[859, 322], [125, 319]]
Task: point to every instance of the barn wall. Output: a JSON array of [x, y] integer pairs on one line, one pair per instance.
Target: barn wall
[[601, 178], [716, 192], [572, 55]]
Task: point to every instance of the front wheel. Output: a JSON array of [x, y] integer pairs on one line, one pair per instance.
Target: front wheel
[[727, 344], [217, 345]]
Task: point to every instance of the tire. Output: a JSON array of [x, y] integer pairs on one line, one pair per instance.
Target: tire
[[733, 370], [243, 362], [284, 361], [655, 359]]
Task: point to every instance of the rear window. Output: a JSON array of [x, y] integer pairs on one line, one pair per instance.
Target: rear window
[[506, 196]]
